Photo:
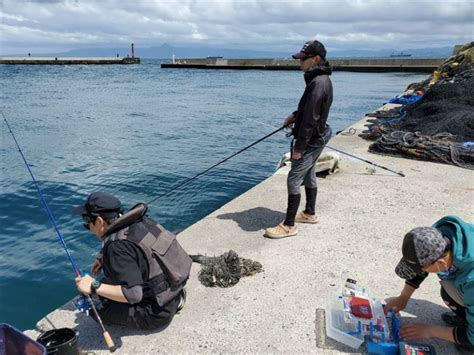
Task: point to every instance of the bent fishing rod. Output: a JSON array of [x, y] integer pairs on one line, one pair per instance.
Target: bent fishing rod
[[213, 166], [77, 272]]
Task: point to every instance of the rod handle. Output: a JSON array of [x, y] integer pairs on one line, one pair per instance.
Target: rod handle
[[109, 342]]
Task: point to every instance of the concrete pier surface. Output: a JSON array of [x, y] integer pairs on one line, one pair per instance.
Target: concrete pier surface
[[68, 61], [356, 65], [364, 216]]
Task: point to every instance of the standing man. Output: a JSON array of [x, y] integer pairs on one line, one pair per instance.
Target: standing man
[[310, 135], [447, 249], [144, 266]]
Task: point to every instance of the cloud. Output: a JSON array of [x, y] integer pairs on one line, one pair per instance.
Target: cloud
[[274, 25]]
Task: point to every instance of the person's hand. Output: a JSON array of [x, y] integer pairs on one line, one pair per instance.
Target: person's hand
[[416, 331], [396, 304], [297, 155], [84, 284], [289, 121], [96, 267]]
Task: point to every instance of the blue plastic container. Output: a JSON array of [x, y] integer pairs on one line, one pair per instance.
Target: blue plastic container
[[397, 346], [14, 342]]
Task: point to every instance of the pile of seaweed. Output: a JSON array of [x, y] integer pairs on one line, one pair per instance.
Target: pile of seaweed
[[436, 118]]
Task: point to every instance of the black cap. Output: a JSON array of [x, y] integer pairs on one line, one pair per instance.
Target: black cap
[[421, 247], [310, 49], [99, 203]]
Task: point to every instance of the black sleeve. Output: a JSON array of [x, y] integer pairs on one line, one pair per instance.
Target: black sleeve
[[460, 335], [416, 281], [123, 264], [310, 117], [133, 294]]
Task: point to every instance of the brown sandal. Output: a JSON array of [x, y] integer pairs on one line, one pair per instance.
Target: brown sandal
[[280, 231], [302, 217]]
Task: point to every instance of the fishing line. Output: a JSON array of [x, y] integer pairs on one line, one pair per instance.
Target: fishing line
[[213, 166], [76, 270]]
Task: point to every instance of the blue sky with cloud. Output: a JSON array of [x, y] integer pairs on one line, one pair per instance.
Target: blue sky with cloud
[[60, 25]]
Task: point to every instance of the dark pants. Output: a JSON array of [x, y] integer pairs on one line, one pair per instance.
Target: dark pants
[[454, 299], [303, 172], [450, 301], [145, 315]]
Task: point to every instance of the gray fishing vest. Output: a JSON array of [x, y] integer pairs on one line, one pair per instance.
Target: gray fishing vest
[[169, 264]]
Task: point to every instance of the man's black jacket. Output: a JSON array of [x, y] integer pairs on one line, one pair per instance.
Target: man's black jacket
[[313, 108]]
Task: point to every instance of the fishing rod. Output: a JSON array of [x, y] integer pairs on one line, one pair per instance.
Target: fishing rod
[[219, 163], [367, 161], [77, 272], [351, 155]]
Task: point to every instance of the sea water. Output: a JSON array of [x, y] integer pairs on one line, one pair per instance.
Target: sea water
[[136, 131]]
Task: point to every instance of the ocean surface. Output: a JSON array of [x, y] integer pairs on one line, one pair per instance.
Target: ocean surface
[[136, 131]]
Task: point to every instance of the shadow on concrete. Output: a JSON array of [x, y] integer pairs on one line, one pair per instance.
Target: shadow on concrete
[[425, 311], [91, 338], [255, 219]]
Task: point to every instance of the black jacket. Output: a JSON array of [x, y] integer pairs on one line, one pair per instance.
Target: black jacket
[[313, 109]]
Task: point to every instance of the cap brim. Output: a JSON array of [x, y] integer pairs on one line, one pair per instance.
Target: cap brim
[[406, 270], [300, 55], [79, 210]]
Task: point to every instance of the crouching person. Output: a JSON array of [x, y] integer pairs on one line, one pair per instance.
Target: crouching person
[[144, 266], [447, 249]]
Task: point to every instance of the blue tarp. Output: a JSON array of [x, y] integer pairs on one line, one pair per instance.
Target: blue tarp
[[405, 100]]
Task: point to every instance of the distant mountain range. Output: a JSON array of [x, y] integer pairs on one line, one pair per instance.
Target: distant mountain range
[[166, 51]]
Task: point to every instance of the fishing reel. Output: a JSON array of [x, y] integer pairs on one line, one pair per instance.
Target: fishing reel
[[82, 304]]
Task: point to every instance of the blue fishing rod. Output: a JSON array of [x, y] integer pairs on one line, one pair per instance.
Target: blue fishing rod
[[77, 272]]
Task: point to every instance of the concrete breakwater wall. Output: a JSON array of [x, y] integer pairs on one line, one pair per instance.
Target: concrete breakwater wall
[[358, 65], [68, 61]]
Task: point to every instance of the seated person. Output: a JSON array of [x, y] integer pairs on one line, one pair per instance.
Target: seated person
[[145, 268], [447, 249]]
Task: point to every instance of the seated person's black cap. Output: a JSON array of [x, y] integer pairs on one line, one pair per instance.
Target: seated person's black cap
[[311, 49], [98, 203]]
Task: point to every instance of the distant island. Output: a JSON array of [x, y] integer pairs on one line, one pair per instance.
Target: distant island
[[400, 55], [166, 51]]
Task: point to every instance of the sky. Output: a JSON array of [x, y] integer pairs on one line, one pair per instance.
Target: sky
[[43, 26]]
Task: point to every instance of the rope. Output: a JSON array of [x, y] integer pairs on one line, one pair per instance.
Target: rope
[[441, 147]]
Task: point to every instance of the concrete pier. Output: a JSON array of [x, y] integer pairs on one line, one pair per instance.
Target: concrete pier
[[355, 65], [68, 61], [364, 216]]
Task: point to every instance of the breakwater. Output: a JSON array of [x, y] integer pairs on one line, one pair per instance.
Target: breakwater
[[68, 61], [354, 65]]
